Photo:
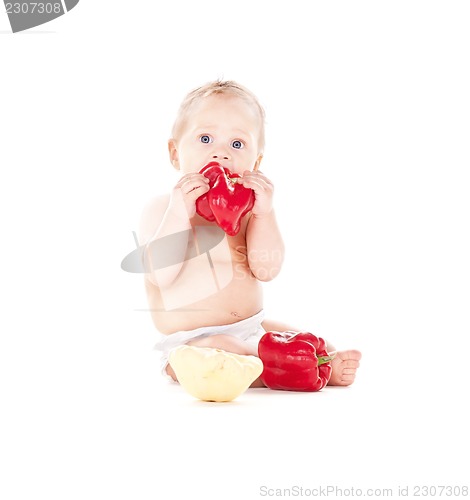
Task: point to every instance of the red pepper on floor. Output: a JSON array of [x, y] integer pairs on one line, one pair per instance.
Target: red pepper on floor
[[226, 202], [294, 361]]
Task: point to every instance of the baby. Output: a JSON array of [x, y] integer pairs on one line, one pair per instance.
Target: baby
[[212, 297]]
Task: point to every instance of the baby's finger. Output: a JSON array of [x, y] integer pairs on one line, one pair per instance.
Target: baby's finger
[[192, 177], [194, 185], [190, 183], [257, 184], [256, 176]]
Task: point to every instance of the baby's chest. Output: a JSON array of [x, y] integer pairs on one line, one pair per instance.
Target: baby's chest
[[212, 242]]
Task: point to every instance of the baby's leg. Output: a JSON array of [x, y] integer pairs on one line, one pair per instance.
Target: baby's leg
[[344, 365], [226, 343]]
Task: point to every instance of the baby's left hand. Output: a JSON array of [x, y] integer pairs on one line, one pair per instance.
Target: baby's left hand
[[263, 189]]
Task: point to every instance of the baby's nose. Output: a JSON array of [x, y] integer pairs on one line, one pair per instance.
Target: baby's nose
[[220, 156]]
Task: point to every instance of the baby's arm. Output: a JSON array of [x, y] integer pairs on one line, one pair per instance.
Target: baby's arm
[[170, 216], [265, 248]]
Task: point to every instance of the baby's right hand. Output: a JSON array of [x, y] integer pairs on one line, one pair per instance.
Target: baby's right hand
[[187, 191]]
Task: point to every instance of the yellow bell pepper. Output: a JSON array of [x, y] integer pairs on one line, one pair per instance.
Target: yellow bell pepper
[[212, 374]]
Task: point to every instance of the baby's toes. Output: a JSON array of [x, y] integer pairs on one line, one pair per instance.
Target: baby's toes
[[351, 355], [347, 379], [350, 363]]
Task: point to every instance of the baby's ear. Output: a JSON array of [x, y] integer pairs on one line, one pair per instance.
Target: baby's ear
[[257, 162], [172, 150]]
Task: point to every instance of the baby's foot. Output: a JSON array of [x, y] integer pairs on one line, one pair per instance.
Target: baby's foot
[[344, 367]]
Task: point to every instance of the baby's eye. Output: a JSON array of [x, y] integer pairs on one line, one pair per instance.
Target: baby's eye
[[237, 144], [206, 139]]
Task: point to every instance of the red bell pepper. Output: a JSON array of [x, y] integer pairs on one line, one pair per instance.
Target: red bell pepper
[[294, 361], [226, 202]]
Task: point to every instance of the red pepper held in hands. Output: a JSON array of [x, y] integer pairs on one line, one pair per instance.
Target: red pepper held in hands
[[294, 361], [226, 202]]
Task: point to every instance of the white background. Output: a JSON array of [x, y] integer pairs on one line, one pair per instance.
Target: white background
[[368, 146]]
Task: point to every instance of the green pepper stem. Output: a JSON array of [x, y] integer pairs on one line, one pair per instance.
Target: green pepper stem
[[326, 359]]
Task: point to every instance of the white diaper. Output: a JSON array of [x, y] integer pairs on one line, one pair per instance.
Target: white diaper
[[248, 329]]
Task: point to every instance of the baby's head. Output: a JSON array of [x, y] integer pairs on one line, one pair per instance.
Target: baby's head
[[220, 121]]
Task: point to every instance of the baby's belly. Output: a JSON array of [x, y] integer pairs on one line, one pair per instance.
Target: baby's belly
[[224, 293]]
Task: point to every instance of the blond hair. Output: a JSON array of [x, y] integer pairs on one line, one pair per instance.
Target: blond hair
[[219, 87]]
